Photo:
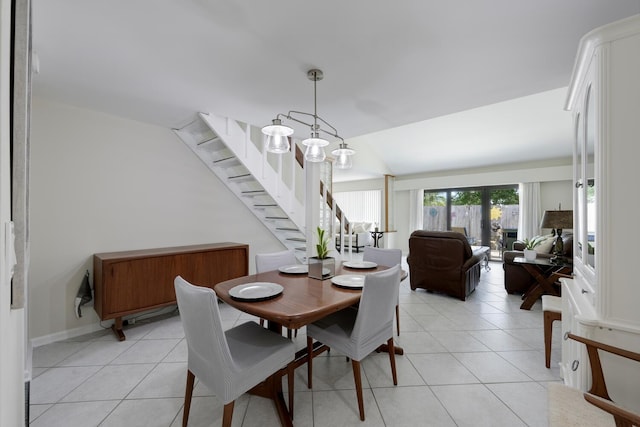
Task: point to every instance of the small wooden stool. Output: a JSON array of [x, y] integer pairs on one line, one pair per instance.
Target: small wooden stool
[[551, 310]]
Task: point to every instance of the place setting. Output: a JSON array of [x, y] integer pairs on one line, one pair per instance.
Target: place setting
[[294, 269], [256, 291], [360, 265], [348, 281]]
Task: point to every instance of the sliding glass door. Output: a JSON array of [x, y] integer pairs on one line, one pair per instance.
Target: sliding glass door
[[486, 215]]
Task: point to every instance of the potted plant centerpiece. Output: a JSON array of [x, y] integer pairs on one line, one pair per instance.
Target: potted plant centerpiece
[[529, 247], [322, 266]]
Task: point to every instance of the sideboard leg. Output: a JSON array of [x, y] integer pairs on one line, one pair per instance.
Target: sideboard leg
[[117, 329]]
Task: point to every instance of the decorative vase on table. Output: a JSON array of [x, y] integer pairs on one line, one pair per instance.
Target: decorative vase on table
[[530, 254], [529, 246], [322, 266]]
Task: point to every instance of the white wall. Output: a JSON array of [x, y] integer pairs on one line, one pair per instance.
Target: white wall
[[12, 333], [100, 183]]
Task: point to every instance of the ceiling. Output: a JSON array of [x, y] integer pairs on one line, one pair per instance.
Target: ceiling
[[413, 85]]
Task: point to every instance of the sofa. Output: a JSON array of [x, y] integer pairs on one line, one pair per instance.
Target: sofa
[[443, 261], [360, 238], [516, 279]]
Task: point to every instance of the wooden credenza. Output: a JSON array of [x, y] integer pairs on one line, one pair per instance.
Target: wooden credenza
[[134, 281]]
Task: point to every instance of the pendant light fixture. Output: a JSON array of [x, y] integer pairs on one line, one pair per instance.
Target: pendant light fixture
[[277, 134]]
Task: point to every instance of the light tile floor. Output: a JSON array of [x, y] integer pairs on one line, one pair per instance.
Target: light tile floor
[[473, 363]]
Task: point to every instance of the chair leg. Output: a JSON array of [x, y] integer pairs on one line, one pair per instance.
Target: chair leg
[[290, 378], [358, 380], [392, 359], [398, 318], [288, 333], [262, 322], [227, 414], [187, 398], [549, 318], [309, 362]]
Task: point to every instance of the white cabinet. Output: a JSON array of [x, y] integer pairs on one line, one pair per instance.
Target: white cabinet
[[603, 299]]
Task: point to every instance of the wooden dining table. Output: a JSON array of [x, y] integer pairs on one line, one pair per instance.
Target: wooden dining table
[[302, 301]]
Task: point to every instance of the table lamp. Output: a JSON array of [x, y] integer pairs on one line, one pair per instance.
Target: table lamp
[[557, 221]]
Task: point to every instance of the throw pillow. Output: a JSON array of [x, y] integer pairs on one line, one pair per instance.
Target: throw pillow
[[546, 246], [358, 227]]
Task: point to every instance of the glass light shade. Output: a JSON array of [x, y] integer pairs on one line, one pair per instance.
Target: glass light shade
[[343, 161], [314, 153], [277, 133], [315, 141], [277, 128], [343, 156], [277, 144]]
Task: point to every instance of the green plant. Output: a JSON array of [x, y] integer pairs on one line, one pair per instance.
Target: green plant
[[532, 243], [322, 246]]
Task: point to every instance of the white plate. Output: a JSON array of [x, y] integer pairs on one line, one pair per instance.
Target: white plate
[[256, 291], [360, 264], [350, 281], [294, 269]]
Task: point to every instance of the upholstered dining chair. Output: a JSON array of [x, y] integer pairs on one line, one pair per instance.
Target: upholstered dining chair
[[228, 362], [273, 261], [388, 258], [357, 332]]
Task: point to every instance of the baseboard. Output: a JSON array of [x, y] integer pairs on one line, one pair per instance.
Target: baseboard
[[98, 326], [66, 334]]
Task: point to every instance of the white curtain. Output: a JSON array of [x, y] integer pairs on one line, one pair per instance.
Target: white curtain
[[416, 209], [530, 212]]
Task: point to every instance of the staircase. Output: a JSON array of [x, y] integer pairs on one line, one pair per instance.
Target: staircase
[[268, 184]]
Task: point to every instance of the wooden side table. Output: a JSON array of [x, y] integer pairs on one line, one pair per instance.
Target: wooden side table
[[545, 274]]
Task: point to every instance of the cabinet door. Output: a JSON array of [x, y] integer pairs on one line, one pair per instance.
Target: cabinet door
[[579, 184], [589, 230]]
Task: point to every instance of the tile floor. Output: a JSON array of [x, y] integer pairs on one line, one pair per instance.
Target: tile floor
[[473, 363]]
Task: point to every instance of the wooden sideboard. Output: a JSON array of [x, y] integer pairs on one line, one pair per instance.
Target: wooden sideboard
[[133, 281]]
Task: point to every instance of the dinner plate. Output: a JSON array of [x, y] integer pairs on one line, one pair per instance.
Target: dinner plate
[[360, 264], [294, 269], [256, 291], [349, 281]]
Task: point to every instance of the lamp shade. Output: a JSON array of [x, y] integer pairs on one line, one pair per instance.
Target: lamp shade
[[314, 153], [557, 220], [343, 156], [277, 144], [277, 137]]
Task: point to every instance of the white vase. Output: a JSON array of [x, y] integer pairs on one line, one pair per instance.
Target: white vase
[[530, 254]]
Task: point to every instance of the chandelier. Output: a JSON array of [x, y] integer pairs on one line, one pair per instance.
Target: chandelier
[[277, 134]]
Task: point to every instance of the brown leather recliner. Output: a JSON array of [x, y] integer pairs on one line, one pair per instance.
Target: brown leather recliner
[[443, 261], [516, 279]]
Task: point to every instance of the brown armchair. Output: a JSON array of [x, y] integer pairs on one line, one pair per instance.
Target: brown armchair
[[516, 278], [443, 261]]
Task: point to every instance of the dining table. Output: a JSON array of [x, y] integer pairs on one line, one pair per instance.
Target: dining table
[[302, 300]]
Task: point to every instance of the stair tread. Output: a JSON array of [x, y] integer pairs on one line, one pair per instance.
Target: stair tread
[[265, 205], [277, 217], [244, 175], [224, 159], [296, 239], [287, 229], [206, 141]]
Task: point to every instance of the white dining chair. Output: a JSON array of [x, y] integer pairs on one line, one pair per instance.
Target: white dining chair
[[387, 257], [228, 362], [356, 332], [273, 261]]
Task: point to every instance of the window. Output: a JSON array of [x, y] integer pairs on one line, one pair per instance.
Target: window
[[481, 213], [361, 206]]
